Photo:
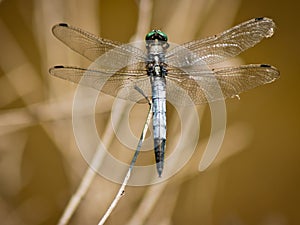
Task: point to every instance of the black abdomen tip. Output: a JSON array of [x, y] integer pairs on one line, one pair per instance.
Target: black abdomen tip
[[159, 149]]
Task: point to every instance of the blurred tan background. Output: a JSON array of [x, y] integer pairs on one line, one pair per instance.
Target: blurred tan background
[[253, 181]]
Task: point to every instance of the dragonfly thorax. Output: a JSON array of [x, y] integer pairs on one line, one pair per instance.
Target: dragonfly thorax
[[156, 44], [155, 49], [156, 67]]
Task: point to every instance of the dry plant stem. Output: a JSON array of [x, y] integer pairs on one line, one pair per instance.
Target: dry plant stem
[[126, 179], [147, 204], [144, 19], [75, 200], [87, 178]]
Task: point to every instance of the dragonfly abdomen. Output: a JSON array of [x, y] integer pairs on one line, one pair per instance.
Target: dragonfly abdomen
[[159, 120]]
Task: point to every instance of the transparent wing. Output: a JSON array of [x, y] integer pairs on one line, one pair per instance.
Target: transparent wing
[[200, 85], [222, 46], [119, 84], [91, 46]]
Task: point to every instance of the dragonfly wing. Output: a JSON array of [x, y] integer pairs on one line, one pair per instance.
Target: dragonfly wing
[[183, 89], [222, 46], [119, 84], [201, 85], [91, 46], [235, 80]]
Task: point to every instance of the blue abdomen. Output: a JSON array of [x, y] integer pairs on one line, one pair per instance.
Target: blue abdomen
[[159, 120]]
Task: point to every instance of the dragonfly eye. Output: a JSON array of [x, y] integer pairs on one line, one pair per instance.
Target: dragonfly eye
[[156, 35]]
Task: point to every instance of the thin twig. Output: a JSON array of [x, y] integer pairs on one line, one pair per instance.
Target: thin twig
[[126, 179]]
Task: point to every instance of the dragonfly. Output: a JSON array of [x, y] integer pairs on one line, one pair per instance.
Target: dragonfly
[[159, 70]]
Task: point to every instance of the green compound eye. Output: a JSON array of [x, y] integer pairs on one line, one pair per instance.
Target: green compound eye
[[163, 35], [156, 35], [149, 35]]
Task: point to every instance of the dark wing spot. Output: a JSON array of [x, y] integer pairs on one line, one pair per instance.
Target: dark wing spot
[[265, 65], [63, 25], [58, 67], [259, 18]]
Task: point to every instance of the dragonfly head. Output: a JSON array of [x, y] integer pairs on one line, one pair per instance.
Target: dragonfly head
[[157, 36]]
